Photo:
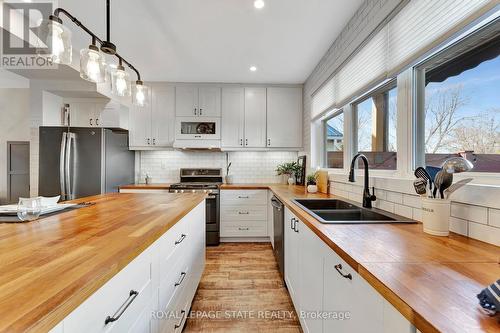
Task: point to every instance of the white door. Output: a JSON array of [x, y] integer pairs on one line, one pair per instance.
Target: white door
[[186, 101], [233, 113], [82, 114], [255, 117], [140, 126], [209, 102], [163, 116], [353, 296], [284, 117]]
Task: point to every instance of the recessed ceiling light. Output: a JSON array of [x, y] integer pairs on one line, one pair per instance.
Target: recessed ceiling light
[[259, 4], [253, 68]]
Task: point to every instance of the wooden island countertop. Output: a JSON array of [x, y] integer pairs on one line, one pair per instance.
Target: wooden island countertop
[[433, 281], [52, 265]]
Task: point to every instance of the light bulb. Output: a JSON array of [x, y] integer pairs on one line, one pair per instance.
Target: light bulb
[[57, 43], [121, 84], [140, 94], [259, 4], [139, 97], [93, 69]]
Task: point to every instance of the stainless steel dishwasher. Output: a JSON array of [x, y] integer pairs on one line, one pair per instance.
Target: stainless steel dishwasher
[[279, 233]]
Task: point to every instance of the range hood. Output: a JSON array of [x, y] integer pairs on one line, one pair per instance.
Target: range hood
[[197, 144]]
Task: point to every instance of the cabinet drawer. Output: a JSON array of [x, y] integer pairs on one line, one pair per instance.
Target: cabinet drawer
[[243, 197], [243, 231], [111, 299], [243, 213], [249, 223]]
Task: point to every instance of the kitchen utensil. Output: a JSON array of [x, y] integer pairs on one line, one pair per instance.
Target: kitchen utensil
[[449, 191], [457, 165], [420, 186], [445, 183], [423, 174], [436, 216], [432, 171], [438, 180]]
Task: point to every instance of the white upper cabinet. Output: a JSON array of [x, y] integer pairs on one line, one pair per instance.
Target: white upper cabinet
[[186, 101], [233, 117], [209, 101], [255, 117], [192, 101], [83, 114], [153, 126], [284, 117]]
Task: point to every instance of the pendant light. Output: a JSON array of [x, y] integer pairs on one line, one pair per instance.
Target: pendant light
[[141, 93], [55, 41], [120, 81], [92, 67]]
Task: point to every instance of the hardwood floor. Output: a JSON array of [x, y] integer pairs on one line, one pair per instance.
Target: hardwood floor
[[241, 291]]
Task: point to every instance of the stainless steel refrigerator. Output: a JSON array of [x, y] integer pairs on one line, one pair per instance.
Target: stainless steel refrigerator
[[80, 162]]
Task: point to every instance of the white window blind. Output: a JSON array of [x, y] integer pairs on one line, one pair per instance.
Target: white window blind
[[365, 67], [424, 24], [323, 99]]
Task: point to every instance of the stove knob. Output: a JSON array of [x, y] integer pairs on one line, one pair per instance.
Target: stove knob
[[193, 191], [205, 191], [182, 191], [209, 191]]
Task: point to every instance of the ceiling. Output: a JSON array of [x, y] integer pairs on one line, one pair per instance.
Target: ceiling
[[217, 40]]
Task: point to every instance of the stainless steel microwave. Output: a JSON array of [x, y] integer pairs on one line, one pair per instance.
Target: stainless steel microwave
[[197, 128]]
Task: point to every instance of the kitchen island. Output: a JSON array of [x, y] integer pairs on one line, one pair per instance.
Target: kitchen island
[[55, 266]]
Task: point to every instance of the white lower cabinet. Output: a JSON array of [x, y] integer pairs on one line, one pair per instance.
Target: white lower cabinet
[[329, 295], [162, 281]]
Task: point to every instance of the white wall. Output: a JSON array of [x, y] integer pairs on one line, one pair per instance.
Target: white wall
[[14, 126], [247, 167]]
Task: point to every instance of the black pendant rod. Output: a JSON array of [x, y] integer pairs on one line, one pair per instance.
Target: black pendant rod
[[73, 19], [108, 21]]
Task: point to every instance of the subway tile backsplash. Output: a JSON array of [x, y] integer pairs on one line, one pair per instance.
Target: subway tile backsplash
[[478, 222], [247, 167]]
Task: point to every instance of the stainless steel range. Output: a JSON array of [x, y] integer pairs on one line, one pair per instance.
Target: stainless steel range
[[207, 181]]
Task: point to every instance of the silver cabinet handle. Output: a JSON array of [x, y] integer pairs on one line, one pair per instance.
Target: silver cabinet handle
[[246, 142], [97, 121], [243, 197], [176, 326], [243, 229], [201, 111], [132, 296], [90, 122], [338, 268], [148, 140], [243, 213], [182, 276], [62, 169], [195, 111], [268, 142], [241, 142], [154, 141], [180, 239]]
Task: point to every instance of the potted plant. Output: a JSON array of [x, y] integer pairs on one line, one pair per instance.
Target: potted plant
[[311, 183], [289, 170]]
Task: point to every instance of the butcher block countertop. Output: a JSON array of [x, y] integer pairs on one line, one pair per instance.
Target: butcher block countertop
[[153, 186], [50, 266], [432, 281]]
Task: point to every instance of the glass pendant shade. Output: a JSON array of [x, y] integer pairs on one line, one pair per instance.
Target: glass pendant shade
[[55, 42], [140, 96], [120, 82], [92, 66]]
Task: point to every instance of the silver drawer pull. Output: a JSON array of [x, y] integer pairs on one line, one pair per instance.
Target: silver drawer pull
[[133, 294], [243, 213], [339, 269], [243, 197], [176, 326], [242, 229], [180, 239], [178, 283]]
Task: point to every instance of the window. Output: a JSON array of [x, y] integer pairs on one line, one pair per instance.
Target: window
[[375, 126], [334, 140], [461, 108]]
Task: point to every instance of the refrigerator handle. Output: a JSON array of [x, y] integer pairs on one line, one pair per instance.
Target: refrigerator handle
[[62, 170], [67, 161]]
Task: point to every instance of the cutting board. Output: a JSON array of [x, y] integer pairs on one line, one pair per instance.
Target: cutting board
[[322, 181]]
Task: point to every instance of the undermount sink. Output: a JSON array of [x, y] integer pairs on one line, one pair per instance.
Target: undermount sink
[[334, 211]]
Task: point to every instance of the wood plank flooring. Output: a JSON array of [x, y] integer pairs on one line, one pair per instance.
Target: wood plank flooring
[[241, 291]]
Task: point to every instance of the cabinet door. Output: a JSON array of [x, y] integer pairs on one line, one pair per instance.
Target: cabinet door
[[82, 114], [292, 227], [233, 113], [255, 117], [284, 117], [352, 296], [311, 278], [140, 126], [163, 116], [209, 102], [186, 101]]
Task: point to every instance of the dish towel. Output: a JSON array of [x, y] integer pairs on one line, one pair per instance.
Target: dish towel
[[489, 298]]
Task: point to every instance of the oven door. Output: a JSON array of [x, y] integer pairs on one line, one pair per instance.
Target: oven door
[[212, 211], [197, 128]]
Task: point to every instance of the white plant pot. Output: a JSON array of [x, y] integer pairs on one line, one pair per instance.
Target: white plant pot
[[312, 188], [291, 181], [436, 216], [229, 179]]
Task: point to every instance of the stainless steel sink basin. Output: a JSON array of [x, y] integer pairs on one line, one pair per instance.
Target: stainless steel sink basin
[[334, 211]]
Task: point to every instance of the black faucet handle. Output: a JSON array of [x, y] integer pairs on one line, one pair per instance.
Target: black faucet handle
[[373, 197]]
